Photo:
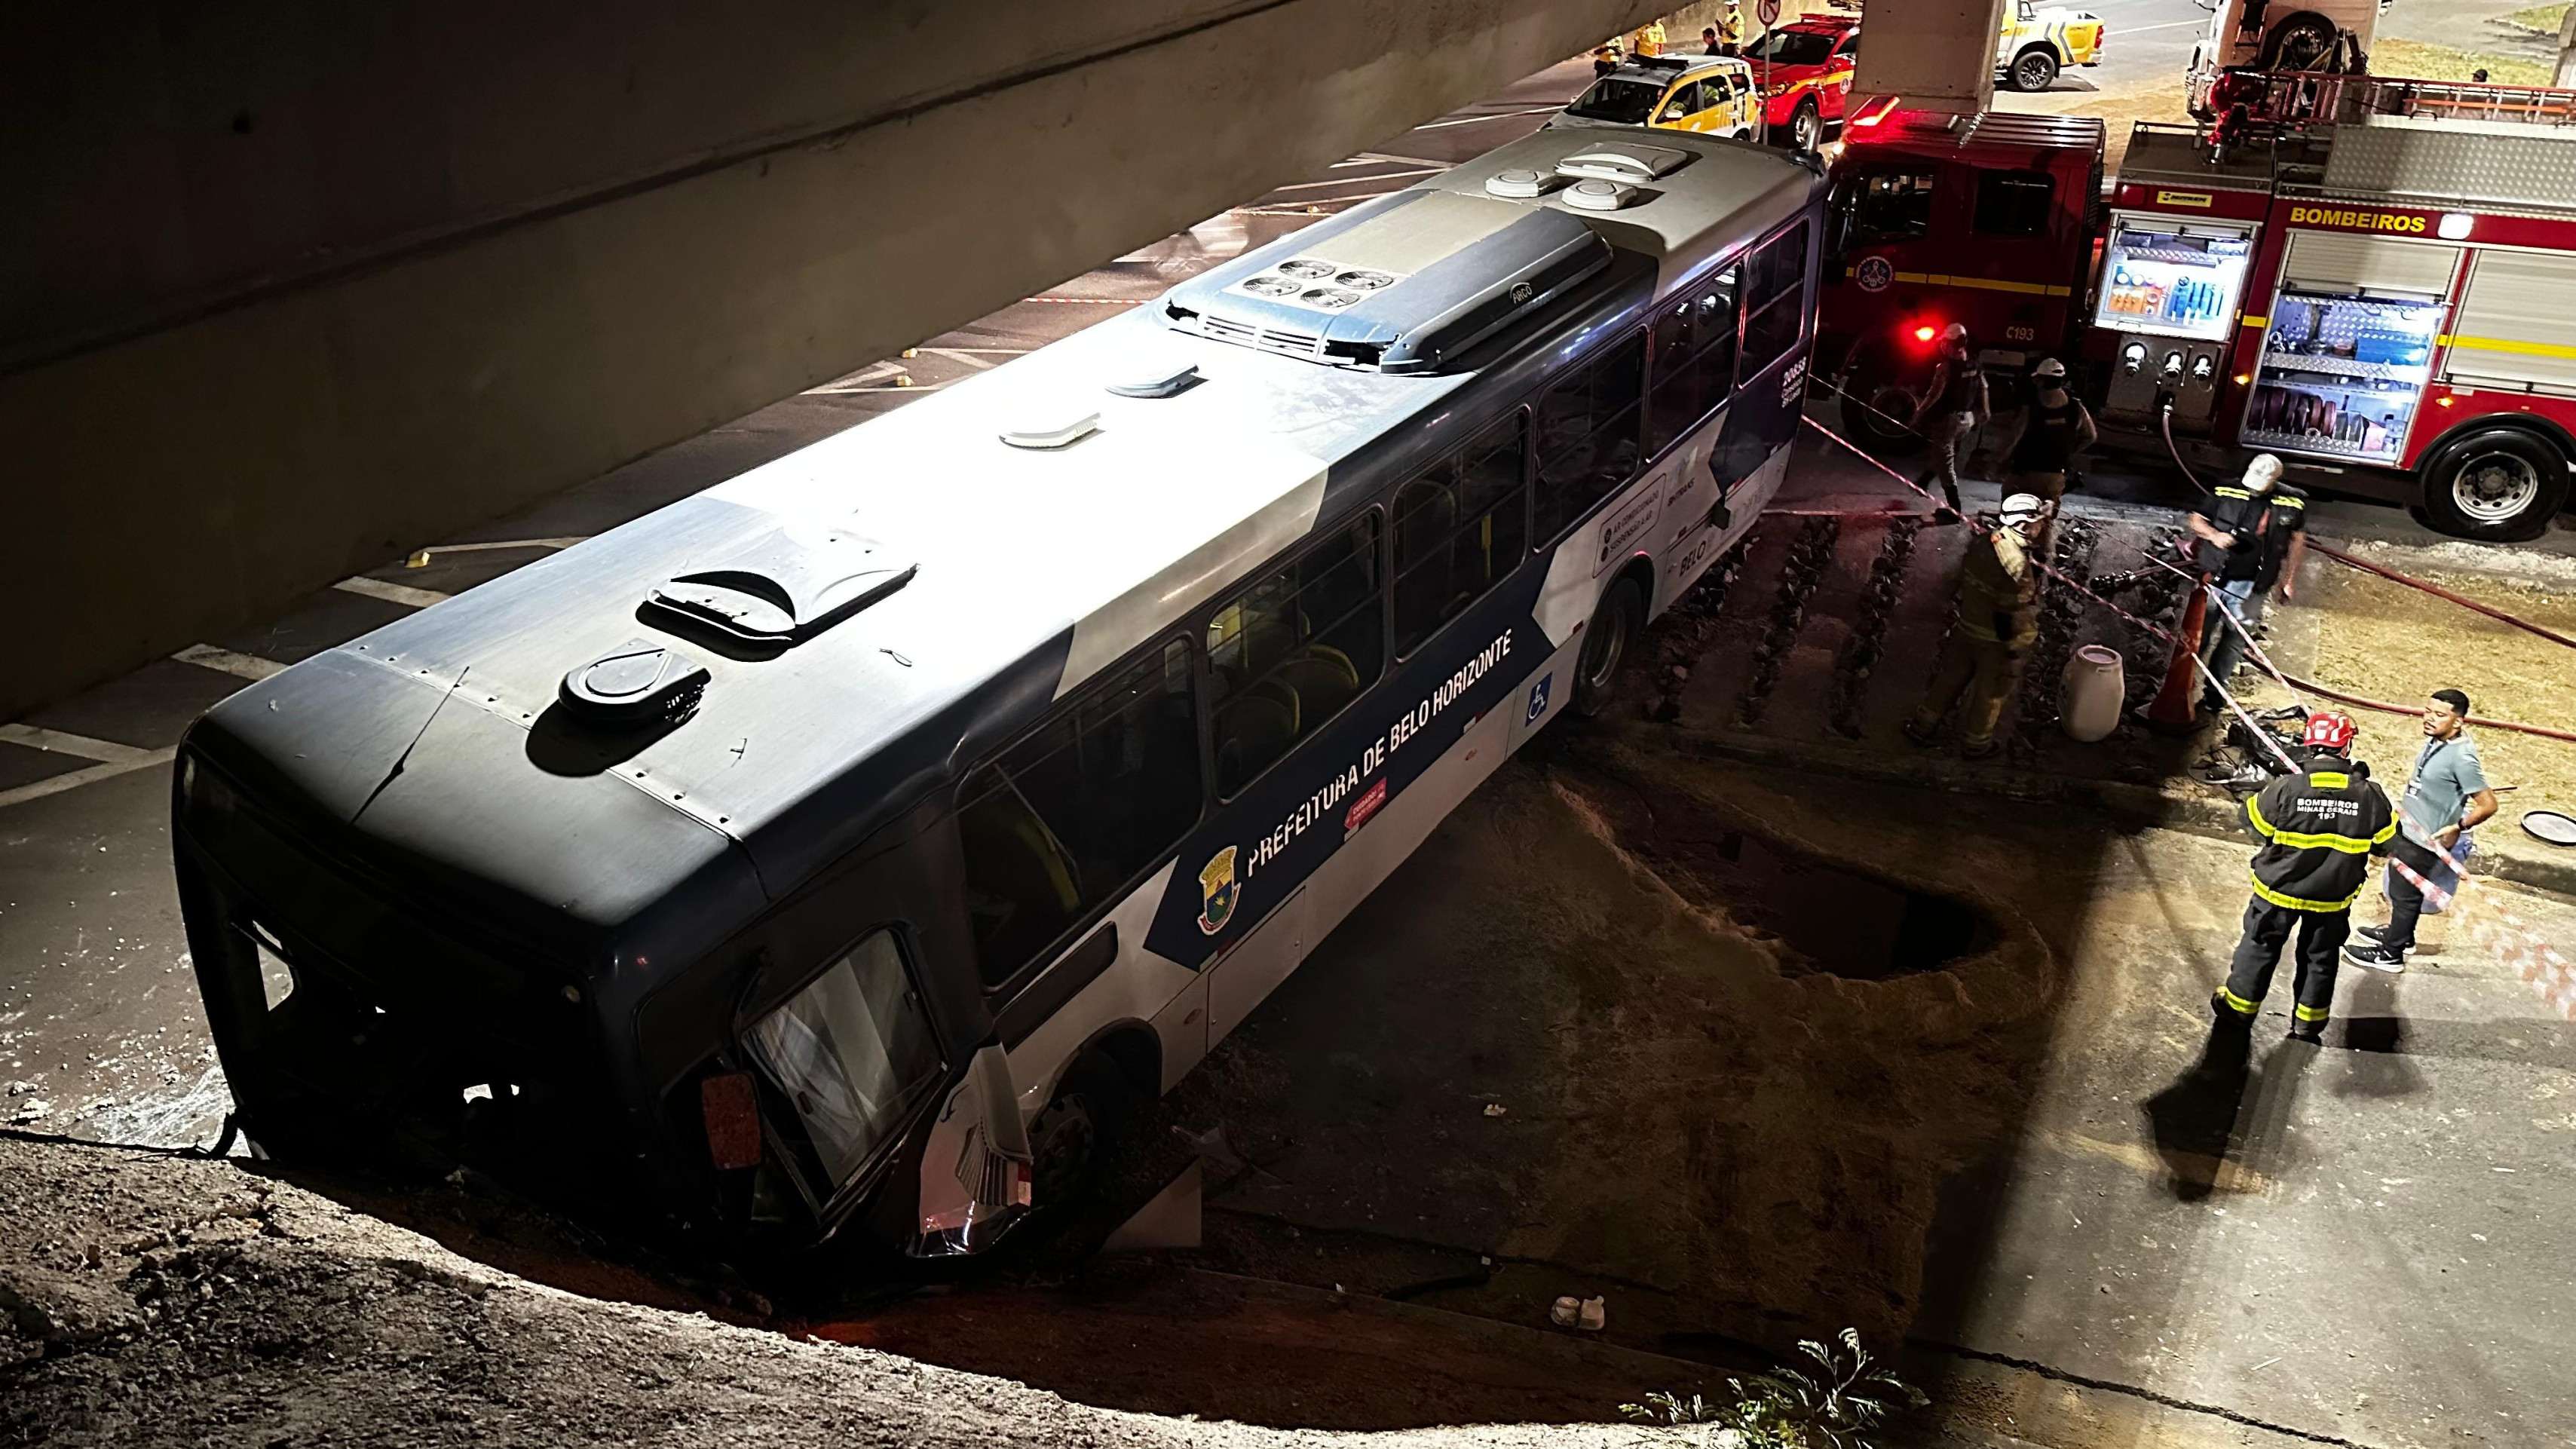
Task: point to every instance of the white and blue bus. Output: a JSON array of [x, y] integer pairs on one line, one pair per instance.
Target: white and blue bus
[[848, 845]]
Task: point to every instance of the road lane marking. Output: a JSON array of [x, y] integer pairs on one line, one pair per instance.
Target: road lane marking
[[73, 780], [248, 666], [36, 737], [965, 355], [402, 594], [2168, 25], [1497, 116]]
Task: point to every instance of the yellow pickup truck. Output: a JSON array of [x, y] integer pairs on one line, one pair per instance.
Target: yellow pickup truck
[[2038, 41]]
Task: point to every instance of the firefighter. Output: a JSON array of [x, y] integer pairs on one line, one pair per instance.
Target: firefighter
[[2054, 428], [1998, 594], [2251, 541], [1953, 407], [2320, 827]]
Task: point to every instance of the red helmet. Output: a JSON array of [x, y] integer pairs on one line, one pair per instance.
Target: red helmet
[[2330, 731]]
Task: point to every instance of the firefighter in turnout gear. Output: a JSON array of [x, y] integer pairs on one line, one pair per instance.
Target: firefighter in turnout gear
[[1998, 622], [2320, 828]]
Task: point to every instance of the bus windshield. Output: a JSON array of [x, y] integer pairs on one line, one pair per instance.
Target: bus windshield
[[1793, 47], [1627, 102]]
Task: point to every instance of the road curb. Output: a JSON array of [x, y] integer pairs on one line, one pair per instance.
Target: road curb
[[2174, 805]]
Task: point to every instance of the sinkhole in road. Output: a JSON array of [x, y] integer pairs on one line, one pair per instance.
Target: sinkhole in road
[[1822, 915]]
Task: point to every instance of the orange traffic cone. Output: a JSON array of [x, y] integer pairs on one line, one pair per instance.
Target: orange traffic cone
[[2173, 711]]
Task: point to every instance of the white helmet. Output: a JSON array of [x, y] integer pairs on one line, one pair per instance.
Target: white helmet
[[1955, 332], [2263, 472], [2049, 370], [2022, 508]]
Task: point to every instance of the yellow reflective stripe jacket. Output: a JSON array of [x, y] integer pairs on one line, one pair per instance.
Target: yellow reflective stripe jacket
[[1997, 578], [2319, 829]]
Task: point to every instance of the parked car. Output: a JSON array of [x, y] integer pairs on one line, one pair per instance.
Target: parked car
[[1804, 69], [1711, 94]]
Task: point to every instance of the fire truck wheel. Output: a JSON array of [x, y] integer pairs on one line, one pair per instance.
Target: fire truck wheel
[[1606, 645], [2034, 69], [1874, 412], [2498, 484]]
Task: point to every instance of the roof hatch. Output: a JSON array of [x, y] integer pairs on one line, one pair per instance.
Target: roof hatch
[[1625, 161], [783, 588], [1400, 288]]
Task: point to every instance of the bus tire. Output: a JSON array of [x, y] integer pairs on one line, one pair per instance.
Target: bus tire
[[1072, 1133], [1607, 642], [2495, 484], [2035, 69]]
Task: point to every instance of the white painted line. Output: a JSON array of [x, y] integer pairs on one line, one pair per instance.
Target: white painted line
[[248, 666], [409, 598], [56, 742], [869, 373], [1497, 116], [504, 544], [2168, 25], [1356, 180], [961, 354], [143, 760]]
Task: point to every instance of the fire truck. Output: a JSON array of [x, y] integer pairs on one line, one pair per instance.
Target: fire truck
[[2373, 279]]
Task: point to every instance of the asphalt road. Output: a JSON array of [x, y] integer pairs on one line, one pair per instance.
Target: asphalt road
[[2146, 43]]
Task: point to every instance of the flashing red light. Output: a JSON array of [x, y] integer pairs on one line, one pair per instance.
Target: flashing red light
[[1885, 106], [2442, 402], [1926, 333]]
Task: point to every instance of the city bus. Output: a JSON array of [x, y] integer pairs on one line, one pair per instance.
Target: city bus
[[842, 852]]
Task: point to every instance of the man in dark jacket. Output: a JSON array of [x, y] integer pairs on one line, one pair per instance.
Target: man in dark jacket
[[2320, 828]]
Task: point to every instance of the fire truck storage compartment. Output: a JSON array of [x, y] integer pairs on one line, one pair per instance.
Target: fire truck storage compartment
[[2349, 346], [2167, 278], [2516, 319]]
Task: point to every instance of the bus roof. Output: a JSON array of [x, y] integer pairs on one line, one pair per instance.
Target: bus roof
[[1034, 567]]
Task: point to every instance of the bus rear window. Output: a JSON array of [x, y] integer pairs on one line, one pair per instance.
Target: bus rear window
[[1066, 817]]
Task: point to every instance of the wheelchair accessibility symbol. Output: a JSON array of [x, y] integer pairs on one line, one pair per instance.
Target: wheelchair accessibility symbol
[[1538, 698]]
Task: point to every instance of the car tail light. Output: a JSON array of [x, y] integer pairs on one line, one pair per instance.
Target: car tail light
[[732, 1113]]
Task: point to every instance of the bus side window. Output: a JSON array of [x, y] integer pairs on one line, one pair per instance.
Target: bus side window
[[1775, 309], [1292, 650], [1459, 528], [1070, 814], [1694, 345], [1588, 435]]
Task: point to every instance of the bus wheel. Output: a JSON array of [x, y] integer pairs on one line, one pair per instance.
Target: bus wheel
[[2034, 69], [1071, 1135], [1606, 645], [2497, 484]]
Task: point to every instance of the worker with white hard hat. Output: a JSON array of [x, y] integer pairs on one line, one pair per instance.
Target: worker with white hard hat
[[2251, 540], [1998, 592]]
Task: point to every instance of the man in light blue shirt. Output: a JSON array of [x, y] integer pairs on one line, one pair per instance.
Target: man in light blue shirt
[[2446, 797]]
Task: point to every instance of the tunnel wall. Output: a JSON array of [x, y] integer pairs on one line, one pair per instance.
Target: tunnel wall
[[298, 288]]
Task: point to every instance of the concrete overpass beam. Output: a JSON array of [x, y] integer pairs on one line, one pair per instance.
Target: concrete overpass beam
[[295, 290]]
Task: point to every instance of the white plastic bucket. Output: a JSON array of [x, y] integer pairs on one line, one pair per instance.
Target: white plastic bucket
[[2092, 693]]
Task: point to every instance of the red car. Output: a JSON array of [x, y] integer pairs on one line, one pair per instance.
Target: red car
[[1805, 71]]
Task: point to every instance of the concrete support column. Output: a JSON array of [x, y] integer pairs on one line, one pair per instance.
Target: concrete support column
[[2567, 50], [1936, 55]]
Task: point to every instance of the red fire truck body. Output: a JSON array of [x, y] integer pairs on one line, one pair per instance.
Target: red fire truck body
[[2382, 293]]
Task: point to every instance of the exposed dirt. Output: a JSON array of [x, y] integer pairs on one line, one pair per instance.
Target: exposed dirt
[[2373, 638], [151, 1300]]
